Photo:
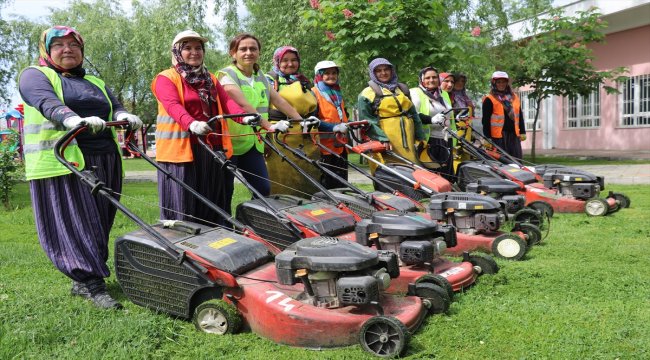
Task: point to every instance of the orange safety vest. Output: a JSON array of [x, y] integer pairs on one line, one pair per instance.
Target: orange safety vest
[[327, 112], [172, 142], [498, 116]]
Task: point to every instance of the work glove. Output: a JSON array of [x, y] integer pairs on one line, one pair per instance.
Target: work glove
[[522, 137], [387, 145], [281, 126], [134, 121], [438, 119], [252, 120], [312, 120], [94, 123], [340, 128], [200, 127]]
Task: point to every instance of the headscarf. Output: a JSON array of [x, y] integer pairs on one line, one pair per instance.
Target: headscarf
[[432, 94], [392, 83], [462, 100], [333, 93], [504, 97], [196, 77], [45, 42], [442, 77], [277, 58]]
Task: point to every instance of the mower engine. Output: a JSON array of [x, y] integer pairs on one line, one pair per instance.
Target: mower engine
[[470, 213], [415, 239], [561, 169], [471, 171], [336, 272], [580, 186], [500, 189]]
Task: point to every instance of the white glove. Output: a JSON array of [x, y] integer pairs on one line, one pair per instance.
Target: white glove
[[312, 120], [281, 126], [438, 119], [134, 121], [252, 120], [94, 123], [200, 127], [341, 128]]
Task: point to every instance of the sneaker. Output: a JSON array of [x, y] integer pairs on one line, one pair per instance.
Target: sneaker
[[95, 291], [104, 301], [79, 289]]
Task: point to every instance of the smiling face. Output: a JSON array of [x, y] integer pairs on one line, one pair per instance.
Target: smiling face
[[192, 53], [289, 63], [331, 76], [66, 52], [501, 84], [383, 73], [247, 53], [430, 80], [447, 84]]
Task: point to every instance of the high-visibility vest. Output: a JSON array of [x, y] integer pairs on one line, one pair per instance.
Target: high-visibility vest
[[40, 134], [172, 142], [298, 96], [258, 96], [497, 119], [329, 113]]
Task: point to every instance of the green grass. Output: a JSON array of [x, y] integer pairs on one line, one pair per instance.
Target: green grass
[[135, 164], [582, 294]]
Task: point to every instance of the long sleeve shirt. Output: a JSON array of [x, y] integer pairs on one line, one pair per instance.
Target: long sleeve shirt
[[508, 125]]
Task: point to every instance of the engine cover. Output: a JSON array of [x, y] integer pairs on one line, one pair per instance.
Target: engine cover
[[416, 252], [498, 186], [394, 223], [471, 171], [357, 290]]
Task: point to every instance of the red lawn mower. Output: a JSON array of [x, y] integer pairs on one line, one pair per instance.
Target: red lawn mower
[[319, 293]]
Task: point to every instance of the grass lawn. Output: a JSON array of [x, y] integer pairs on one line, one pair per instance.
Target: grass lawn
[[584, 293]]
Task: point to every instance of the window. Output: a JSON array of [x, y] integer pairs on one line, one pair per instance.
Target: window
[[528, 108], [636, 101], [582, 111]]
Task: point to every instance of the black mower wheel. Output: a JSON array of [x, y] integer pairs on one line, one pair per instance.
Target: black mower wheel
[[436, 295], [217, 317], [438, 280], [485, 262], [544, 208], [384, 336], [533, 233], [623, 200], [509, 247], [596, 207], [529, 215]]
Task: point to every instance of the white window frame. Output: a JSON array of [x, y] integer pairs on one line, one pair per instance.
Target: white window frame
[[528, 109], [635, 101], [582, 112]]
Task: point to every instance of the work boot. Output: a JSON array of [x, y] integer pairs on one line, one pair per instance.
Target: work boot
[[95, 291]]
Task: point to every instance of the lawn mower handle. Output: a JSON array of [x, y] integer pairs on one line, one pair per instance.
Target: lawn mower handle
[[230, 116]]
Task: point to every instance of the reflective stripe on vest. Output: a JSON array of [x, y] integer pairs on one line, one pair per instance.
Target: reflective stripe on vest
[[497, 120], [41, 134], [172, 142], [258, 96], [329, 113]]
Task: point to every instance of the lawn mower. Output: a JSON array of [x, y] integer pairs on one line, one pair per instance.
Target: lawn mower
[[320, 293]]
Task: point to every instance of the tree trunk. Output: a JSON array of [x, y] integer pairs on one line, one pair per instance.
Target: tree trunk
[[538, 102]]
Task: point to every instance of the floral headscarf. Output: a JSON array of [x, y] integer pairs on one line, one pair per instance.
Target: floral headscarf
[[432, 94], [462, 100], [197, 77], [334, 95], [277, 58], [45, 41], [392, 83]]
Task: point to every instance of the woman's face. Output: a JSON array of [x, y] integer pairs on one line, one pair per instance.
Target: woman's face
[[192, 53], [459, 84], [247, 53], [289, 63], [431, 80], [330, 76], [447, 84], [383, 73], [501, 84], [66, 52]]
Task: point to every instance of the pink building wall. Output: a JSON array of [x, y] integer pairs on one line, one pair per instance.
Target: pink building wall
[[629, 48]]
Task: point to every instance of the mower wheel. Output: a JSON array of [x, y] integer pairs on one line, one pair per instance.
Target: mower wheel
[[533, 233], [436, 295], [596, 207], [529, 215], [437, 280], [544, 208], [509, 247], [217, 317], [384, 336], [485, 262], [623, 200]]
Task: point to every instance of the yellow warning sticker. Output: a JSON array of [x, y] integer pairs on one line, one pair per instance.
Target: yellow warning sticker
[[384, 197], [221, 243], [318, 212]]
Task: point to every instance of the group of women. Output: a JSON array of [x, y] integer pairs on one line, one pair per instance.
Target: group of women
[[73, 226]]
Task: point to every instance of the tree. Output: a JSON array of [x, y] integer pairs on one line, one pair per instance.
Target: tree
[[557, 61]]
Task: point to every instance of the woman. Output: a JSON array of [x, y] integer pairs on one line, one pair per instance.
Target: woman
[[188, 95], [428, 99], [392, 116], [459, 94], [503, 120], [331, 110], [72, 224]]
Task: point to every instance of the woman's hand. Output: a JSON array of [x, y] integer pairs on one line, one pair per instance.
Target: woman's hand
[[94, 123], [134, 121], [281, 126], [200, 127]]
